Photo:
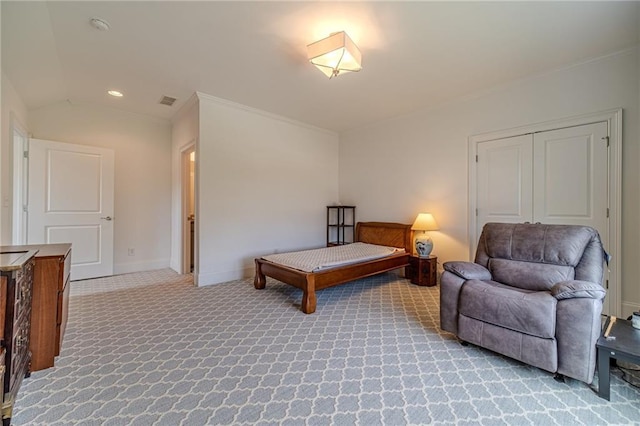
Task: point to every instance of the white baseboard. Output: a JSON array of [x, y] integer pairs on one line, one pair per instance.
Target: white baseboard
[[149, 265], [628, 308], [202, 279]]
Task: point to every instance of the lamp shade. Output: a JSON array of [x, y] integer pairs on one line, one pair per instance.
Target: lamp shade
[[334, 55], [425, 222]]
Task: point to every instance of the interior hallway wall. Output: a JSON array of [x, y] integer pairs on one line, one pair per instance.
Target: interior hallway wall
[[415, 163], [184, 132], [263, 184], [142, 145]]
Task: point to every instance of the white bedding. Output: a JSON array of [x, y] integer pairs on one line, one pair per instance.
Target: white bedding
[[332, 257]]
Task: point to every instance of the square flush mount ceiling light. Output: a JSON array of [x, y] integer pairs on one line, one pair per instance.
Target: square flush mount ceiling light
[[334, 55]]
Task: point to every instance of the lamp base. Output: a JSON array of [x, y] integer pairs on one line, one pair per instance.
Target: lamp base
[[424, 245]]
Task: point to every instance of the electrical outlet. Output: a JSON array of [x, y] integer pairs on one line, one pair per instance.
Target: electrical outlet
[[131, 252]]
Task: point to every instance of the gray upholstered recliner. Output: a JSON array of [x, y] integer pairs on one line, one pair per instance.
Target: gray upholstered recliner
[[534, 294]]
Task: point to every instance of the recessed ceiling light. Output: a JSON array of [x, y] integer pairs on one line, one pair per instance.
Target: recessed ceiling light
[[115, 93], [99, 24]]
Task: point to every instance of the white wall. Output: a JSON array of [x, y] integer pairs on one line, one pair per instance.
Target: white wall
[[142, 146], [632, 302], [184, 132], [263, 184], [13, 111], [415, 163]]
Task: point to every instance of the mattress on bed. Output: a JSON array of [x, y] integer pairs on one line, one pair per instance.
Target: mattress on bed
[[332, 257]]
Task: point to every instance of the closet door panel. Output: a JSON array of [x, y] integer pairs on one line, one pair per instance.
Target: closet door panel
[[504, 181], [571, 176]]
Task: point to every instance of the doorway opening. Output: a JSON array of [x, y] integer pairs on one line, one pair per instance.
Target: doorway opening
[[20, 145], [189, 247]]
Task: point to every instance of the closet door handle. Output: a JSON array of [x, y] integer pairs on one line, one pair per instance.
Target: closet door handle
[[108, 218]]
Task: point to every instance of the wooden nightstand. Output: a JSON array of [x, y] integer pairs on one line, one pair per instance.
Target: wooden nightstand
[[422, 270]]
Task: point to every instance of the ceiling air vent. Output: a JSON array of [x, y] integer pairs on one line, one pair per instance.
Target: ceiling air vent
[[167, 100]]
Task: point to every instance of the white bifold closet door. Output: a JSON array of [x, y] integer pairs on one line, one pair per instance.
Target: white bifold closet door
[[505, 181], [554, 177], [570, 171], [558, 177]]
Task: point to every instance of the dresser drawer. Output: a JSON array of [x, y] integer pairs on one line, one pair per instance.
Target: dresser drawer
[[20, 354], [23, 292]]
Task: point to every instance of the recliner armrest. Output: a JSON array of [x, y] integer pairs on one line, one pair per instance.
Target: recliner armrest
[[468, 270], [578, 289]]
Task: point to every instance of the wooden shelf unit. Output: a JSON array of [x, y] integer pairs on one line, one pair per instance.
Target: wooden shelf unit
[[341, 223]]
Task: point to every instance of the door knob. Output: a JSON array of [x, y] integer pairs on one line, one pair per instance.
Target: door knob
[[106, 218]]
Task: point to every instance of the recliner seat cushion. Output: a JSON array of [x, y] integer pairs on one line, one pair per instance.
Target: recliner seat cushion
[[524, 311]]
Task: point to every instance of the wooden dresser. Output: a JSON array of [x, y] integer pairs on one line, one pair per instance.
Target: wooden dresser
[[16, 269], [50, 301]]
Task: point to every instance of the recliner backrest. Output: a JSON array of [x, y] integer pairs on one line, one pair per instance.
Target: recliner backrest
[[536, 256]]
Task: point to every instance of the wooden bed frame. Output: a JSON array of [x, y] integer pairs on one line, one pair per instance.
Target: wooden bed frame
[[381, 233]]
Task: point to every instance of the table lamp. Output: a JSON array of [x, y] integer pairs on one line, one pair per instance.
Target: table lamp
[[424, 222]]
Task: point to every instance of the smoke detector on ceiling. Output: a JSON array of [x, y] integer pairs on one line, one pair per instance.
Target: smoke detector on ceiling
[[99, 24]]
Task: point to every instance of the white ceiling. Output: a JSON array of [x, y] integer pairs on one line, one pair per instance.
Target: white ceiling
[[415, 54]]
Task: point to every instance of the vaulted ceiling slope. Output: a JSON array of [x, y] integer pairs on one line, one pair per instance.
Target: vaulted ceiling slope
[[415, 54]]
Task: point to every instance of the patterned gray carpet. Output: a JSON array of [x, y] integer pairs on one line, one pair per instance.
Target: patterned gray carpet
[[151, 349]]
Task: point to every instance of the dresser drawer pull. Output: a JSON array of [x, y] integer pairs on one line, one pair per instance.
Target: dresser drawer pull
[[20, 341]]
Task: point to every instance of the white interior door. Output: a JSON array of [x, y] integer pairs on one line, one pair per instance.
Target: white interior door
[[71, 201], [504, 181]]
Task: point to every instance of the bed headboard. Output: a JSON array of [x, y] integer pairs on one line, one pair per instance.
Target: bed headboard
[[385, 234]]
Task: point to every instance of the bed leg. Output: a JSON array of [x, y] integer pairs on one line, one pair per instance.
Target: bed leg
[[309, 302], [259, 281], [309, 297]]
